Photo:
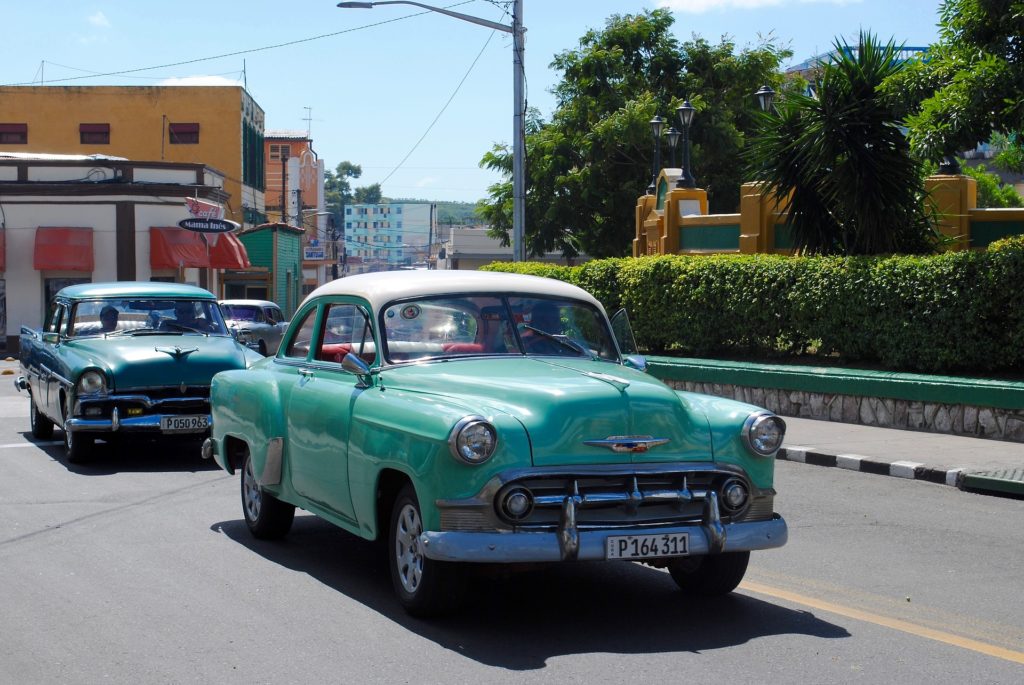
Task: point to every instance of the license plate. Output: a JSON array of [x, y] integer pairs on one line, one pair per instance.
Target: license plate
[[184, 424], [647, 546]]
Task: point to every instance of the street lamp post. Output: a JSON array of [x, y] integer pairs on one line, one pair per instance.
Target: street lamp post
[[673, 140], [765, 98], [518, 131], [686, 112], [656, 124]]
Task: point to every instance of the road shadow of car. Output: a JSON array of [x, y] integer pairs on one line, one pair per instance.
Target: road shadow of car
[[521, 620], [129, 456]]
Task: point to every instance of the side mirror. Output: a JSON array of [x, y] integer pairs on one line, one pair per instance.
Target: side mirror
[[357, 367], [635, 361], [51, 338]]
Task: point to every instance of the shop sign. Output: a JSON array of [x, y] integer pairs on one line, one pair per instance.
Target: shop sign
[[208, 225], [314, 253]]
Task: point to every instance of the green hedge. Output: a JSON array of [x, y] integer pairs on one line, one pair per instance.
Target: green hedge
[[954, 312]]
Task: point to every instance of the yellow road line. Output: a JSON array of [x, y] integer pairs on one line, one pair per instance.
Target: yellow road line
[[894, 623]]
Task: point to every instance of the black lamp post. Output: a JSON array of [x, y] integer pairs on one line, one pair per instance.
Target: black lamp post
[[656, 124], [765, 98], [686, 112], [673, 140]]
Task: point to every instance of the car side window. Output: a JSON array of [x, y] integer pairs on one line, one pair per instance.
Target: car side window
[[298, 346], [346, 329], [56, 319], [274, 315]]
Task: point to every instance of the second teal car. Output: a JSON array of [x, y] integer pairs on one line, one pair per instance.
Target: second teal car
[[126, 359]]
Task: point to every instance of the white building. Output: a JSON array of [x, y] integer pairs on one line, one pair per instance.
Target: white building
[[388, 236], [77, 219]]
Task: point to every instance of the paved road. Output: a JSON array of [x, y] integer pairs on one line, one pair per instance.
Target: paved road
[[138, 569]]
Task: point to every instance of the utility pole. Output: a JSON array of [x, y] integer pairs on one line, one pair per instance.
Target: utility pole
[[284, 184]]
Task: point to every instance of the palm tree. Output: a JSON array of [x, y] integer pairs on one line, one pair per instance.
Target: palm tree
[[837, 160]]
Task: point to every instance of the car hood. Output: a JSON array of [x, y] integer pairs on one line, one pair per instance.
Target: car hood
[[160, 360], [563, 404]]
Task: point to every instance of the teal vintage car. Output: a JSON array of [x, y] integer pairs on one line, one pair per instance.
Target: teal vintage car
[[116, 360], [482, 418]]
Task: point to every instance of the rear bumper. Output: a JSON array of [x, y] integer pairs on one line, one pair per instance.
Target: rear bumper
[[507, 548]]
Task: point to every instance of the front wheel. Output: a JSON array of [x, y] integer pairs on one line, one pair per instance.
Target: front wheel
[[710, 576], [78, 447], [424, 587], [267, 517], [42, 427]]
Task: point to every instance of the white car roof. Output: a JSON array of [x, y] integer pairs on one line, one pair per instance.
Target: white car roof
[[381, 287], [249, 303]]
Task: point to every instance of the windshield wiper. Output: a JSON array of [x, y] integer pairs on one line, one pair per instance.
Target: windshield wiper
[[563, 340]]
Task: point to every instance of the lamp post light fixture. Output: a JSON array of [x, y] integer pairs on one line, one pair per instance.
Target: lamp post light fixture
[[686, 112], [518, 88], [765, 98], [673, 140], [656, 124]]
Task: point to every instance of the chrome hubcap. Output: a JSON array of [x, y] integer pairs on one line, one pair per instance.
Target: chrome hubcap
[[408, 556], [251, 496]]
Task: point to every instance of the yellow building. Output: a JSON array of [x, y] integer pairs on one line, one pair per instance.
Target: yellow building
[[217, 126]]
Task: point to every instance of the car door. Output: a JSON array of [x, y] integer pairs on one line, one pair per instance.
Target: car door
[[50, 367], [320, 409]]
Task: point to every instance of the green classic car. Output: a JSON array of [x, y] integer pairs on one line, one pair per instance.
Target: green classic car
[[116, 360], [484, 418]]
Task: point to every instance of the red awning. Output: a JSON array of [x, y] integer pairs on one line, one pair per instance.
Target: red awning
[[63, 249], [228, 253], [171, 247]]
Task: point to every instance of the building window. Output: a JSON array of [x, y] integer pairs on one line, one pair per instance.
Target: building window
[[94, 134], [13, 134], [183, 134], [348, 211], [398, 210], [279, 152]]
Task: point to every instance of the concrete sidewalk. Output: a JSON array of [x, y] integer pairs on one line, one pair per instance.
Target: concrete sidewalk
[[967, 463]]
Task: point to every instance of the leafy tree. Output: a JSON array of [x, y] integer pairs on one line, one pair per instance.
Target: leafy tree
[[368, 195], [969, 84], [839, 163], [337, 189], [991, 191], [589, 164]]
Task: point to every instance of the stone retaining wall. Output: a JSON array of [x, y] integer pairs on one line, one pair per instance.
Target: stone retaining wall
[[955, 419]]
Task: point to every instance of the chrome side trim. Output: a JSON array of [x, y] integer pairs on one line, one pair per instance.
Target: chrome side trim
[[272, 466], [509, 548]]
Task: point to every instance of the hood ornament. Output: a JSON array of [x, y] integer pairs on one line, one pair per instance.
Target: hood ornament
[[627, 443], [176, 351]]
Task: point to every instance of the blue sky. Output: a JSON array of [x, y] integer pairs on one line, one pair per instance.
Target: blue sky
[[369, 84]]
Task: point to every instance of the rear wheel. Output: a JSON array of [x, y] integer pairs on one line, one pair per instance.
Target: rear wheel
[[267, 517], [424, 587], [709, 576], [42, 427]]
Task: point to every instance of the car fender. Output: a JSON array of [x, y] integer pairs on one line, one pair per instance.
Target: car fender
[[246, 406], [391, 431]]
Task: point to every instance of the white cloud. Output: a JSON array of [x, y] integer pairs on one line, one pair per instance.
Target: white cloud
[[200, 81], [426, 181], [701, 6], [99, 19]]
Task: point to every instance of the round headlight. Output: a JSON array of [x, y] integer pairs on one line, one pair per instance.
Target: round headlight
[[764, 433], [517, 504], [91, 383], [473, 440], [734, 495]]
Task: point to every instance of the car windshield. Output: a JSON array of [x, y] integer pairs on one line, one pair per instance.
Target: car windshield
[[474, 325], [138, 316], [242, 312]]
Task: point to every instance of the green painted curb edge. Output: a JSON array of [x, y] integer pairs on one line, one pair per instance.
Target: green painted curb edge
[[980, 392], [1009, 481]]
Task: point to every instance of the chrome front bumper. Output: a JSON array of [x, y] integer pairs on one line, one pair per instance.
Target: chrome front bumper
[[138, 424], [508, 548]]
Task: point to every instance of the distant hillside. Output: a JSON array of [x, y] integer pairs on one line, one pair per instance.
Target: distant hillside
[[448, 213]]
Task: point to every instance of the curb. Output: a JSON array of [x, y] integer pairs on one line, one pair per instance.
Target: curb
[[854, 462]]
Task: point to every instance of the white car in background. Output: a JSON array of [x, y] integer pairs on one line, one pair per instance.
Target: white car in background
[[256, 323]]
